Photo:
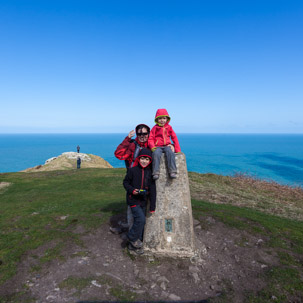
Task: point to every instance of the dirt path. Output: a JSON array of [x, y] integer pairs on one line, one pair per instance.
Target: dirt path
[[228, 266]]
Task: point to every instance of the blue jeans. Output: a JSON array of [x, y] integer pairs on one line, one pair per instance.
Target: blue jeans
[[136, 232], [170, 156]]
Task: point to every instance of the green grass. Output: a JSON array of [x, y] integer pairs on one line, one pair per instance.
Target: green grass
[[33, 206], [45, 207]]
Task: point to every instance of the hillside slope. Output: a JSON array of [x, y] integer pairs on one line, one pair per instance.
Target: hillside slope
[[56, 246]]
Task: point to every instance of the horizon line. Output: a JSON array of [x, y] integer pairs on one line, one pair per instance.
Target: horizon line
[[123, 133]]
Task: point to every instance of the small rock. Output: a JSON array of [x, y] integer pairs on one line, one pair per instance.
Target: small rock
[[193, 269], [274, 298], [57, 289], [196, 277], [63, 217], [263, 266], [237, 258], [139, 291], [51, 298], [212, 287], [153, 285], [105, 264], [151, 259], [162, 279], [259, 242], [95, 283], [163, 285], [136, 272], [174, 297]]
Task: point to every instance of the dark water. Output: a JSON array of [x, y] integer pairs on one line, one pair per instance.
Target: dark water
[[273, 157]]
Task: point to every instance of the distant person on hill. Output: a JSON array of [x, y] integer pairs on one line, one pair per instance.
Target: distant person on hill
[[78, 162], [78, 149], [139, 186], [128, 151], [159, 142]]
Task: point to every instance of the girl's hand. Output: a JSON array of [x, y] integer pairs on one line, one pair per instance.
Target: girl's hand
[[131, 134], [172, 148]]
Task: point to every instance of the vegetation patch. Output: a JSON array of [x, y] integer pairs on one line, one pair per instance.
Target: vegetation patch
[[241, 190], [76, 283]]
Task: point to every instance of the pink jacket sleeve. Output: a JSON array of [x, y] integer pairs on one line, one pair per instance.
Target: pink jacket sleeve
[[176, 141]]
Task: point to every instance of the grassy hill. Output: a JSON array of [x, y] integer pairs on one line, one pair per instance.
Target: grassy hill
[[48, 207]]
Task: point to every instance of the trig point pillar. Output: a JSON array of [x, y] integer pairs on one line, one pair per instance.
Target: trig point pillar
[[169, 231]]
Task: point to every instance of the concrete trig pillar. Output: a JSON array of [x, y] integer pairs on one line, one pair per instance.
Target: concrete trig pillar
[[169, 231]]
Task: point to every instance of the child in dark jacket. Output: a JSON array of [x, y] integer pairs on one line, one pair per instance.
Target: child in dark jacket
[[140, 185]]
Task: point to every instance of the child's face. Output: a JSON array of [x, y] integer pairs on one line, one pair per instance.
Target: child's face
[[162, 120], [144, 161]]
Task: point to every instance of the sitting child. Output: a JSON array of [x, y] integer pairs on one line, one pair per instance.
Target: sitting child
[[139, 185], [159, 142]]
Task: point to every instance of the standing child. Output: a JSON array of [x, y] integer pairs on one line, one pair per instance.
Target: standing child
[[139, 186], [159, 142]]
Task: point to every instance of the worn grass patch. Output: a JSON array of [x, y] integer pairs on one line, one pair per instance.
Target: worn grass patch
[[285, 237], [42, 207]]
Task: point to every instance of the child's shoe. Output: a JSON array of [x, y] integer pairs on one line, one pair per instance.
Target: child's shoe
[[136, 244], [156, 176], [138, 251], [173, 175]]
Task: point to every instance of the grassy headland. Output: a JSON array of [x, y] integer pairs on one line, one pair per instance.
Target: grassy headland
[[36, 208]]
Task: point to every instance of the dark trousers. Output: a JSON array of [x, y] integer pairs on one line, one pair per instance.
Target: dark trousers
[[170, 157], [136, 232]]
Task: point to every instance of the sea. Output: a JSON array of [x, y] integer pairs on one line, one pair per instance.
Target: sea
[[271, 157]]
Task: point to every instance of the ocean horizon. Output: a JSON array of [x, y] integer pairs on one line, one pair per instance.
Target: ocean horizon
[[271, 157]]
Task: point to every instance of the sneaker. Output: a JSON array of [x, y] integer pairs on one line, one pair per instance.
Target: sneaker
[[139, 251], [156, 176], [173, 175], [115, 230], [136, 244], [132, 250]]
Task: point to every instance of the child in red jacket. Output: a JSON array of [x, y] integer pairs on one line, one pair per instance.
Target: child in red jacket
[[159, 142]]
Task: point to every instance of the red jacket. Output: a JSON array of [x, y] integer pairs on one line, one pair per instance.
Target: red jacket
[[160, 135], [125, 150]]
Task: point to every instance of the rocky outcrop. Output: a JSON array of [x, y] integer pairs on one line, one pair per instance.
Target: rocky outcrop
[[68, 160]]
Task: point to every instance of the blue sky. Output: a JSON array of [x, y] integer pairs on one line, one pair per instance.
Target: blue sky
[[106, 66]]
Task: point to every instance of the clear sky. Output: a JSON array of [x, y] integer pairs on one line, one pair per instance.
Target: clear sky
[[106, 66]]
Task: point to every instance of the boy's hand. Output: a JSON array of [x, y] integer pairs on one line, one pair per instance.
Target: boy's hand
[[131, 134], [136, 191], [172, 148]]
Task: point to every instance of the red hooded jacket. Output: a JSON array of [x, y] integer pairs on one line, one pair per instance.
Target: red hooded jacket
[[160, 135], [126, 149]]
